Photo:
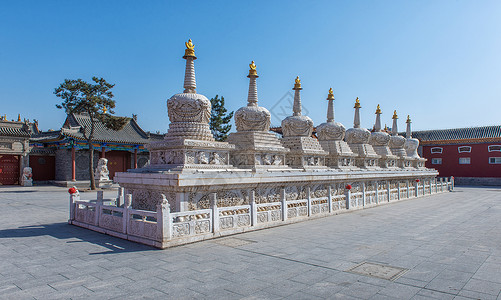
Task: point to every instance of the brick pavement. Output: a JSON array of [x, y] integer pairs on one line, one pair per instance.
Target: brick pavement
[[450, 243]]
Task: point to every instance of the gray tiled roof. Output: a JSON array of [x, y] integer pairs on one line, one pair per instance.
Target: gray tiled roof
[[458, 133], [17, 129], [45, 135], [131, 133]]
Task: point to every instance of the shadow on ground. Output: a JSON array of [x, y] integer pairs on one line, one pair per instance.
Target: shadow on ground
[[73, 234]]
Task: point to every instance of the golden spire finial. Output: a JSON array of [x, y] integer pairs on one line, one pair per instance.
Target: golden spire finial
[[252, 71], [297, 84], [104, 109], [5, 117], [331, 94], [395, 115], [385, 127], [408, 119], [19, 117], [190, 50], [378, 110], [357, 103]]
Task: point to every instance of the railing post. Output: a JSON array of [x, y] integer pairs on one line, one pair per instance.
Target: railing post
[[125, 215], [431, 185], [388, 190], [441, 184], [416, 191], [347, 195], [408, 190], [215, 212], [363, 194], [398, 190], [73, 198], [376, 194], [284, 204], [99, 203], [120, 196], [253, 208], [329, 197], [308, 198], [164, 220], [452, 183]]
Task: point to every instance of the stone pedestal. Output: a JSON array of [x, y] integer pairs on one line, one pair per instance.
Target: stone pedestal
[[257, 150], [305, 152]]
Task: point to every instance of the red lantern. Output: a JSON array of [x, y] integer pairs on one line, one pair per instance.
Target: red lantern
[[72, 190], [348, 187], [417, 180]]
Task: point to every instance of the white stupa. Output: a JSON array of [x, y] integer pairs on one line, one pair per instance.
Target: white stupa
[[358, 140], [330, 135], [379, 141], [189, 143], [255, 146], [305, 151]]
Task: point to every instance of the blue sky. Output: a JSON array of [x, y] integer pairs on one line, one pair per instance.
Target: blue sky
[[438, 61]]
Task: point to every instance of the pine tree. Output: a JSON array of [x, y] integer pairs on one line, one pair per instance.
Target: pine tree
[[219, 119], [95, 100]]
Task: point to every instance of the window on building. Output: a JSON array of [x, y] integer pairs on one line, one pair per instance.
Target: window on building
[[495, 160], [494, 148], [436, 161], [464, 161], [436, 150], [464, 149]]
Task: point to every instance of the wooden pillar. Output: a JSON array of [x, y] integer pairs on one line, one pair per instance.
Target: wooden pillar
[[135, 158], [73, 166], [103, 152]]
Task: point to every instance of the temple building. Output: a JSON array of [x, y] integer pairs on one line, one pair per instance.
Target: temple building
[[62, 155], [14, 148], [472, 155]]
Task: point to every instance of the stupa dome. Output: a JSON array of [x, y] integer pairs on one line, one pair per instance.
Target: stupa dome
[[252, 118]]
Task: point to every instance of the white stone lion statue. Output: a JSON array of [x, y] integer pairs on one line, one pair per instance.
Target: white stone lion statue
[[27, 178], [102, 172]]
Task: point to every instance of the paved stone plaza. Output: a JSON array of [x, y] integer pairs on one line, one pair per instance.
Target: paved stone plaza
[[450, 243]]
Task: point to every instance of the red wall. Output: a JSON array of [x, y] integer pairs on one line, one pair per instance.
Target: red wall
[[44, 167], [479, 161]]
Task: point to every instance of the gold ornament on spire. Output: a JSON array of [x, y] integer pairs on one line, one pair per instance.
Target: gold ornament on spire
[[331, 94], [408, 119], [104, 109], [252, 71], [395, 115], [357, 103], [19, 117], [190, 50], [378, 110], [297, 84]]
